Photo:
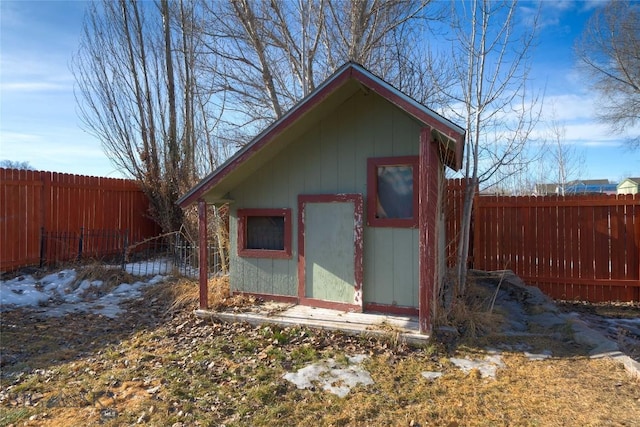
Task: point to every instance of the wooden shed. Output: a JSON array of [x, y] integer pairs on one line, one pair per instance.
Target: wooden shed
[[338, 204]]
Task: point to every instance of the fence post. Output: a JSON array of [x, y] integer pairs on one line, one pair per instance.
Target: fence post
[[42, 246], [125, 245], [202, 255], [80, 243]]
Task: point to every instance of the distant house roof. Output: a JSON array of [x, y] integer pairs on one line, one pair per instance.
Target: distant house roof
[[346, 81], [591, 188], [636, 180], [629, 186], [577, 186], [577, 182], [544, 189]]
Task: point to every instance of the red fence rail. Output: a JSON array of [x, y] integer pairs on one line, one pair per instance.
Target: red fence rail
[[31, 201], [578, 247], [583, 247]]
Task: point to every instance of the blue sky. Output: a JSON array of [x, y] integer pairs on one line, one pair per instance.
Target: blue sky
[[39, 123]]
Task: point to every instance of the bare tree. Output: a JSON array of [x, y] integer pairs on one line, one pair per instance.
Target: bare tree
[[135, 72], [490, 58], [553, 162], [609, 51], [271, 54], [366, 32], [563, 159], [12, 164]]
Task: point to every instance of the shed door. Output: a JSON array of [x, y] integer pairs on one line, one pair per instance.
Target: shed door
[[330, 247]]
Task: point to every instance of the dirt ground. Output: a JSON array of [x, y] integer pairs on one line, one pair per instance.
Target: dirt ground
[[158, 364]]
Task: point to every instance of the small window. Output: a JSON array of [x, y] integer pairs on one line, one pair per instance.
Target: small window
[[392, 196], [264, 233]]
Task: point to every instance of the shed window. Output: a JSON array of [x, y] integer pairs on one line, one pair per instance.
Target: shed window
[[264, 233], [392, 191]]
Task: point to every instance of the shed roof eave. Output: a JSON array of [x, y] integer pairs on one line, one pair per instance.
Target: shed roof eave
[[306, 104], [419, 111], [349, 71]]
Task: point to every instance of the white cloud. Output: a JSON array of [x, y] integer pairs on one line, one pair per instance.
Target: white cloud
[[58, 149], [576, 113], [16, 137], [591, 134], [559, 5], [568, 107], [589, 5], [548, 13], [32, 86], [29, 72]]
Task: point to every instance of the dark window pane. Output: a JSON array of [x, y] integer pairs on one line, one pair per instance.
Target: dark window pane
[[395, 192], [265, 232]]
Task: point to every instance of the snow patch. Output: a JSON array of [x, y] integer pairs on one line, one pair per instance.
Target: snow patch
[[330, 377], [59, 293], [431, 375], [487, 367], [538, 356]]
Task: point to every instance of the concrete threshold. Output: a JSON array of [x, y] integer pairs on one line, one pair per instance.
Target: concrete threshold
[[401, 328]]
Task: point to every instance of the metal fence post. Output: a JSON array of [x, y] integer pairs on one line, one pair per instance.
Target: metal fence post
[[43, 241], [80, 243], [125, 245], [177, 252]]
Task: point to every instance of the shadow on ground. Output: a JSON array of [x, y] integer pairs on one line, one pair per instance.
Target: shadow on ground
[[531, 321], [33, 340]]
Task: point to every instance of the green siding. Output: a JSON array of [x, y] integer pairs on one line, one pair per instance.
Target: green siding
[[269, 276], [331, 157], [404, 254], [378, 271]]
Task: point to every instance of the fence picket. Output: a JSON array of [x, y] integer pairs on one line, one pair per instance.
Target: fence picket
[[63, 203], [574, 247]]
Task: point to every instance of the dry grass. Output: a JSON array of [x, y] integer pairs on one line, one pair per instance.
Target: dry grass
[[181, 294], [556, 392], [472, 316], [219, 291], [160, 365], [112, 277], [185, 294]]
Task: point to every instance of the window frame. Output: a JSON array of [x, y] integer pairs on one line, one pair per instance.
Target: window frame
[[373, 163], [245, 252]]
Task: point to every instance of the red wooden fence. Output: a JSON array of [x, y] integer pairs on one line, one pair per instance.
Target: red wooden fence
[[33, 200], [453, 213], [583, 247]]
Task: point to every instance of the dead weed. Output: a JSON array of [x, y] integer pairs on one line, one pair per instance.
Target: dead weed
[[185, 293], [111, 277], [473, 315]]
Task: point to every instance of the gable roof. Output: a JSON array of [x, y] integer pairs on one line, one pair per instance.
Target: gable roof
[[632, 179], [590, 188], [347, 80], [576, 182]]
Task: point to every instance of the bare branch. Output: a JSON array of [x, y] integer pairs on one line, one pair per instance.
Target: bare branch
[[609, 51]]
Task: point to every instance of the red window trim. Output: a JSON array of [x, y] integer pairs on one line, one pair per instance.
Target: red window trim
[[372, 191], [263, 253]]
